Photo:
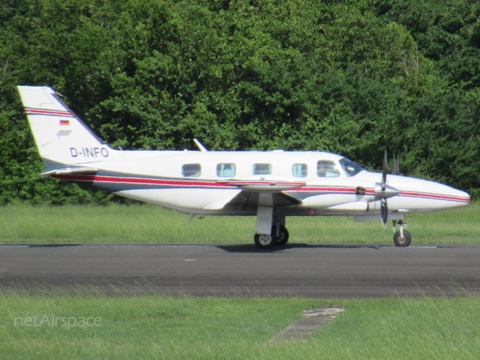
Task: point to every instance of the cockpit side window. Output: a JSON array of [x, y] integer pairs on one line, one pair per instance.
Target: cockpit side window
[[327, 168], [351, 169]]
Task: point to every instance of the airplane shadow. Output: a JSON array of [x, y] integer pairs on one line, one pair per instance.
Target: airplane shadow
[[251, 248], [51, 245], [240, 248]]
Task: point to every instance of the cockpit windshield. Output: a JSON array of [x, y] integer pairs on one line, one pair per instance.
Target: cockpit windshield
[[351, 169]]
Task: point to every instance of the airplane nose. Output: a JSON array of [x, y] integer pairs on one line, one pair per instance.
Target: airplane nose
[[443, 197], [459, 198], [423, 195]]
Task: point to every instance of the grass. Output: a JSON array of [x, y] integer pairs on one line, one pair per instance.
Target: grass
[[207, 328], [215, 328], [22, 224]]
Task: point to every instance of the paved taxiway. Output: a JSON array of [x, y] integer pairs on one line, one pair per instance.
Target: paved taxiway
[[242, 270]]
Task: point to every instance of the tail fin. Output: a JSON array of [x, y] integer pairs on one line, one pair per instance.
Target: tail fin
[[61, 137]]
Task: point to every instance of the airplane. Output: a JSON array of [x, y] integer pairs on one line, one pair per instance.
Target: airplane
[[270, 185]]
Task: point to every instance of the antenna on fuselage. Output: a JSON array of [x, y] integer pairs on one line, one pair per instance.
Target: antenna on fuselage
[[200, 145]]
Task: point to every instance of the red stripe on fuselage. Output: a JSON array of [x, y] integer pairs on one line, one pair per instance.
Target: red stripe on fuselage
[[220, 185], [434, 196], [194, 183], [333, 189]]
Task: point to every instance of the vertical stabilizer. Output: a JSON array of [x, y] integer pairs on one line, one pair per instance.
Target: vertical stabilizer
[[61, 137]]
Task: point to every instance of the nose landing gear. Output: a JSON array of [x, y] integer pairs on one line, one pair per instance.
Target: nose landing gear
[[402, 237]]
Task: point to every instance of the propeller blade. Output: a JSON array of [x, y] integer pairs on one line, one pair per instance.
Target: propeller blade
[[383, 202], [384, 170], [384, 212], [396, 169]]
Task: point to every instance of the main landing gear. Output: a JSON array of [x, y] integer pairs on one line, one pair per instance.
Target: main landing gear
[[402, 237], [277, 237], [270, 227]]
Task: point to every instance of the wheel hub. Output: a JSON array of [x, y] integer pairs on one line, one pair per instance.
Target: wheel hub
[[265, 239]]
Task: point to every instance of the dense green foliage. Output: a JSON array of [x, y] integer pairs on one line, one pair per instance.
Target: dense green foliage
[[351, 77]]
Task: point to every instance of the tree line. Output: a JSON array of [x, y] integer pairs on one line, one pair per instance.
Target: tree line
[[350, 77]]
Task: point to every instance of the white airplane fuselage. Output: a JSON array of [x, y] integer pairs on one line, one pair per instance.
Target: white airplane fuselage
[[156, 177], [267, 184]]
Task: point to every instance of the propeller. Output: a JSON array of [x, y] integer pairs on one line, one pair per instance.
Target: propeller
[[383, 191]]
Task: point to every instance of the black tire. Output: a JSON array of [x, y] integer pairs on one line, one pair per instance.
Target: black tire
[[282, 239], [402, 242], [264, 241]]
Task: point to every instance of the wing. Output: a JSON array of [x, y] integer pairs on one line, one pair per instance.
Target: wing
[[246, 199], [249, 196]]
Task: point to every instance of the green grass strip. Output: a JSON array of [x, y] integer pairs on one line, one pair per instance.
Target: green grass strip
[[212, 328], [22, 224]]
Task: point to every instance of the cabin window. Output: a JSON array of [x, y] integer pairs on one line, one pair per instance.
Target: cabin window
[[299, 170], [326, 168], [191, 170], [262, 169], [226, 170]]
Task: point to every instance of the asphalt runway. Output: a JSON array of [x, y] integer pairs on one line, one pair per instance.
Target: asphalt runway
[[242, 270]]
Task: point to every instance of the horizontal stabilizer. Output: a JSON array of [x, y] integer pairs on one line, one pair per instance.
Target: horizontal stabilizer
[[70, 170]]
